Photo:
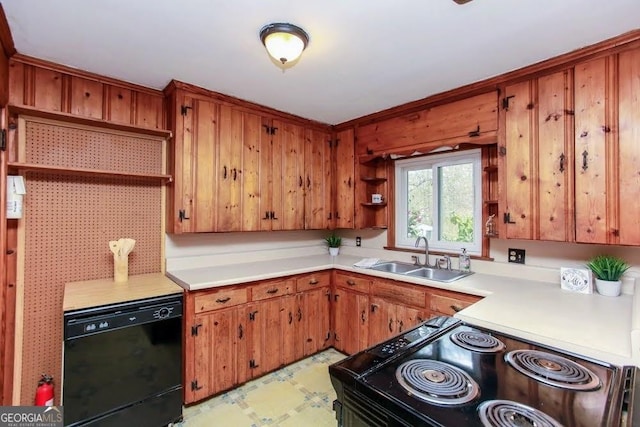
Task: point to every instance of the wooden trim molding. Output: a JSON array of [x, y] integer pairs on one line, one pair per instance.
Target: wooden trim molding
[[624, 41]]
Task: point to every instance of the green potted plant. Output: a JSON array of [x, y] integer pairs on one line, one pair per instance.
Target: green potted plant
[[334, 242], [608, 269]]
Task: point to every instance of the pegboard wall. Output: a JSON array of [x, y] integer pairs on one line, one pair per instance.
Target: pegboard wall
[[68, 223]]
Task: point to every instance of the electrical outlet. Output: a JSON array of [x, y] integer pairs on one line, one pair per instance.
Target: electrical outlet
[[516, 255], [358, 241]]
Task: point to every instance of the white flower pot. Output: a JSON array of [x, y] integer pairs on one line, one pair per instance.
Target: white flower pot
[[608, 288], [334, 251]]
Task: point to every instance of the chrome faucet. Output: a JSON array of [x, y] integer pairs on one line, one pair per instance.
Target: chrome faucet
[[444, 262], [426, 252]]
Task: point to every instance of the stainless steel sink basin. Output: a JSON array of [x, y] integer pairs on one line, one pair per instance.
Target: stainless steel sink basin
[[394, 267], [413, 270], [437, 274]]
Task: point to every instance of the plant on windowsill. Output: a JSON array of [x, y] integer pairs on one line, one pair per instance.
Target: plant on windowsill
[[334, 242], [608, 270]]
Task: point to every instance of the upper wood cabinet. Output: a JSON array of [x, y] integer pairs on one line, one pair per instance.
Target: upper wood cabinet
[[468, 120], [343, 212], [569, 164], [536, 157], [239, 170]]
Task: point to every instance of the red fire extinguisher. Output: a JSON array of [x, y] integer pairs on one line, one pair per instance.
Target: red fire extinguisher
[[44, 392]]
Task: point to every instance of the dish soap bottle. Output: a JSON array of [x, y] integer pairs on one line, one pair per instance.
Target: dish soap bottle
[[464, 261]]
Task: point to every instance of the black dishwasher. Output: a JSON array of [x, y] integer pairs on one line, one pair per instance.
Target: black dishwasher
[[123, 364]]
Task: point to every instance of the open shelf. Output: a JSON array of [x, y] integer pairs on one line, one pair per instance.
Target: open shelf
[[99, 123], [373, 179], [490, 202], [375, 205], [86, 172], [491, 168]]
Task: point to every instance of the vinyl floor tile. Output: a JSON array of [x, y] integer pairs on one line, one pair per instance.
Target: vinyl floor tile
[[297, 395]]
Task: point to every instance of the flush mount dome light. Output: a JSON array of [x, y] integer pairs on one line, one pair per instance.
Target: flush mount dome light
[[284, 42]]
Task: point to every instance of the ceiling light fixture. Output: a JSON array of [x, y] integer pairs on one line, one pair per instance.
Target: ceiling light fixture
[[284, 42]]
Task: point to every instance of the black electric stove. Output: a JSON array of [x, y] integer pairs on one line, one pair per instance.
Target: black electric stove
[[448, 373]]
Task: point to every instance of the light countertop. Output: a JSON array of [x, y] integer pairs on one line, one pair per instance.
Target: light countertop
[[589, 325], [93, 293]]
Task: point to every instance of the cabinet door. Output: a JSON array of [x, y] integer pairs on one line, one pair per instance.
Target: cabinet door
[[195, 172], [593, 146], [255, 140], [555, 156], [291, 323], [345, 181], [229, 171], [270, 182], [290, 148], [382, 320], [408, 317], [516, 165], [315, 315], [351, 321], [629, 151], [264, 347], [317, 180], [214, 355]]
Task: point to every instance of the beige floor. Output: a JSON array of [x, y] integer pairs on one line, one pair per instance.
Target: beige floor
[[297, 395]]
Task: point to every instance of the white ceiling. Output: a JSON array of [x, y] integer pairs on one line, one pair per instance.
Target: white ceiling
[[364, 55]]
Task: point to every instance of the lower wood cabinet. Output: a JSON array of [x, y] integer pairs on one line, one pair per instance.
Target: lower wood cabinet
[[237, 333]]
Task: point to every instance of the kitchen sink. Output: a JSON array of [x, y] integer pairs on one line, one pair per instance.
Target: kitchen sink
[[394, 267], [413, 270], [437, 274]]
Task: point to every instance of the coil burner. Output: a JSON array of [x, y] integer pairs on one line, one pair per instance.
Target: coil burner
[[478, 341], [436, 382], [553, 370], [505, 413]]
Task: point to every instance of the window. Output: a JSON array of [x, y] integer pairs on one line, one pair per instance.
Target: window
[[439, 197]]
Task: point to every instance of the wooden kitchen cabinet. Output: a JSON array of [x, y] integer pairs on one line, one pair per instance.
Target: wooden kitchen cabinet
[[394, 308], [536, 159], [351, 312], [448, 303], [313, 313], [343, 152], [317, 179], [472, 119]]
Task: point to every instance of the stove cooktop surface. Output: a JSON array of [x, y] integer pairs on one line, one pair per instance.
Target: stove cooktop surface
[[467, 376]]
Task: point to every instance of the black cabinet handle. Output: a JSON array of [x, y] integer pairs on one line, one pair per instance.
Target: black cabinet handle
[[223, 300], [401, 325], [390, 325], [235, 173], [299, 314], [455, 308], [224, 173], [507, 218], [273, 291], [562, 159], [585, 156], [290, 318], [300, 181], [362, 316], [308, 182], [313, 281], [240, 332], [374, 307], [266, 215]]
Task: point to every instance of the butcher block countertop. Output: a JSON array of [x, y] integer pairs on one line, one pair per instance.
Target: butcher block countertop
[[94, 293], [590, 325]]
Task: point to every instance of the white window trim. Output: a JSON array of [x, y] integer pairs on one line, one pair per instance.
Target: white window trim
[[434, 161]]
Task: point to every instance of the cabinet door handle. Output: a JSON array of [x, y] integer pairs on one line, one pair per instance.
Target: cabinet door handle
[[235, 173], [313, 281], [299, 314], [374, 307], [507, 218], [266, 215], [224, 173], [328, 294], [562, 159], [300, 181], [585, 156], [351, 282], [240, 332], [401, 324], [223, 300], [390, 325], [273, 215], [308, 182], [349, 182], [362, 317], [273, 291], [290, 318], [455, 308], [335, 297], [337, 216]]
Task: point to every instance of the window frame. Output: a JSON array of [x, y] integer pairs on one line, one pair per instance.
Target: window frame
[[402, 166]]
